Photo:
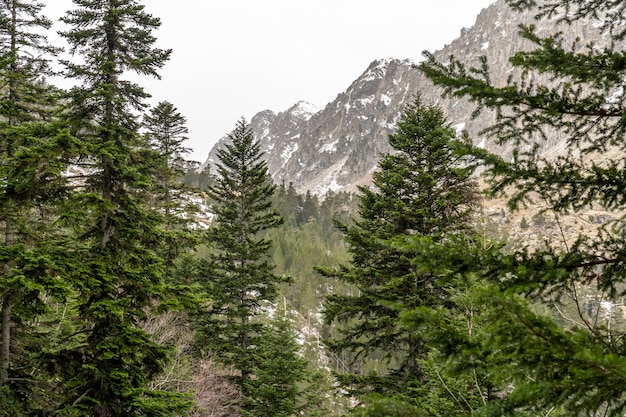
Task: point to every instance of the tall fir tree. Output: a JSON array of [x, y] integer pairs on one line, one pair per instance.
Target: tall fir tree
[[557, 362], [421, 190], [110, 359], [166, 133], [25, 55], [239, 277], [34, 149]]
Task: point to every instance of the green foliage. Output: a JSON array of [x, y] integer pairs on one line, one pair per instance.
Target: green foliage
[[164, 150], [198, 179], [278, 370], [524, 223], [301, 245], [426, 317], [420, 190], [389, 407], [460, 377], [24, 62], [117, 275], [34, 149], [238, 275], [165, 136], [543, 341]]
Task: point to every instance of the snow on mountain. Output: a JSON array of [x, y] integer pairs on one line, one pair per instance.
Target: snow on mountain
[[338, 147]]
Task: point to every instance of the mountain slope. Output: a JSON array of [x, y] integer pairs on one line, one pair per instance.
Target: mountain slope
[[339, 146]]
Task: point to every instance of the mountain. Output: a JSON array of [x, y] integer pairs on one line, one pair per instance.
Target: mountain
[[338, 147]]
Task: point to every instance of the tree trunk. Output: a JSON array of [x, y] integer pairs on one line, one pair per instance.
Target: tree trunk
[[7, 307], [7, 301], [5, 355]]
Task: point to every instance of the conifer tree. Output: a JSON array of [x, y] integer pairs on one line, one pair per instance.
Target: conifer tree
[[25, 55], [420, 190], [33, 148], [239, 277], [110, 359], [279, 372], [165, 136], [166, 133], [459, 377], [565, 364]]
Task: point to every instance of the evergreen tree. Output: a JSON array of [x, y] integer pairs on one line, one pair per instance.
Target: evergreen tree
[[166, 132], [239, 276], [459, 377], [118, 276], [279, 372], [32, 257], [555, 361], [420, 190], [33, 148], [308, 210]]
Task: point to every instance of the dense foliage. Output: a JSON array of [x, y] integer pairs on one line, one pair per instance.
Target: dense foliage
[[558, 309], [306, 240], [95, 221], [34, 148], [118, 276], [239, 279], [117, 301], [420, 190]]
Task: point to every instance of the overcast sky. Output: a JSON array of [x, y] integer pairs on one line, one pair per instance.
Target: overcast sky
[[234, 58]]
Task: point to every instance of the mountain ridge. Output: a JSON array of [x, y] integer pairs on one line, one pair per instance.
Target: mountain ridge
[[338, 147]]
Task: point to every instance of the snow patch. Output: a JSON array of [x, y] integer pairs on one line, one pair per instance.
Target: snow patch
[[615, 99], [389, 125], [328, 180], [378, 70], [304, 110], [333, 186], [365, 101], [329, 147], [288, 151], [606, 305]]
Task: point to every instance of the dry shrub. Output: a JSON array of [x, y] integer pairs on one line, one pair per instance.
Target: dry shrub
[[213, 392]]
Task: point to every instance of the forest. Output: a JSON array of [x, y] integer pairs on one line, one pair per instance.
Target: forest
[[134, 284]]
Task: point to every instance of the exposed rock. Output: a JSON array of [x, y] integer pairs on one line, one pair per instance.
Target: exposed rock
[[338, 147]]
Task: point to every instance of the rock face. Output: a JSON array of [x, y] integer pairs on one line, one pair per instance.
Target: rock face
[[338, 147]]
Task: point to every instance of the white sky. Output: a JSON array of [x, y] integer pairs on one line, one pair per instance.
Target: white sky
[[234, 58]]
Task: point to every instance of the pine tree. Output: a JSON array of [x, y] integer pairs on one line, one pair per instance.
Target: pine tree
[[279, 372], [420, 190], [557, 362], [34, 149], [32, 257], [166, 132], [239, 277], [118, 276], [459, 376], [25, 61], [165, 135]]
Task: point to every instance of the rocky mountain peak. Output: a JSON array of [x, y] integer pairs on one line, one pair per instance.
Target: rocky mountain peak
[[303, 110], [338, 147]]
